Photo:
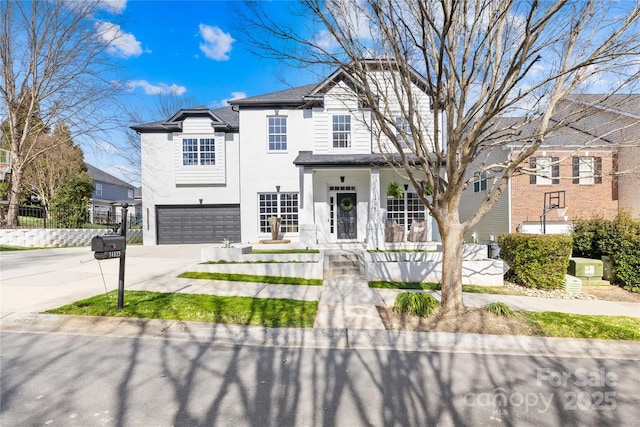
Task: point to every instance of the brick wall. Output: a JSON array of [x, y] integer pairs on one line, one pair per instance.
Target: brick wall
[[53, 238], [581, 200]]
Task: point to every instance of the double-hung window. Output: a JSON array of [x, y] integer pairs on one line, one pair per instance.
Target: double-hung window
[[403, 133], [546, 170], [283, 205], [587, 170], [198, 151], [341, 131], [480, 184], [277, 133]]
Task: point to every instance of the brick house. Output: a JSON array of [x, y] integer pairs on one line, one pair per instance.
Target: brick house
[[589, 166]]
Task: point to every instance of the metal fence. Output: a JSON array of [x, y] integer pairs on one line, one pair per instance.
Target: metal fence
[[39, 217]]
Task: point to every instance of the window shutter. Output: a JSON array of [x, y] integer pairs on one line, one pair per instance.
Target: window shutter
[[555, 170], [576, 169], [532, 165], [597, 170]]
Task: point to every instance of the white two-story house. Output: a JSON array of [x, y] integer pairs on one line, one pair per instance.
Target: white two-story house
[[309, 155]]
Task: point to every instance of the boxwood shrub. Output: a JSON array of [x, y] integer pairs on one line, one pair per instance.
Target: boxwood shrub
[[618, 238], [536, 260]]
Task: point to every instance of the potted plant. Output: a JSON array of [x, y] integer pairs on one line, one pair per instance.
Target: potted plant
[[394, 191]]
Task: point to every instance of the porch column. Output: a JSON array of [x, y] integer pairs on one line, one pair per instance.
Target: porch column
[[375, 224], [306, 218]]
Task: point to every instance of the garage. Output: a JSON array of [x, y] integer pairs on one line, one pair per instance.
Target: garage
[[198, 224]]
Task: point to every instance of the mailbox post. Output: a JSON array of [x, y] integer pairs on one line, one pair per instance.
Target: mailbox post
[[106, 247]]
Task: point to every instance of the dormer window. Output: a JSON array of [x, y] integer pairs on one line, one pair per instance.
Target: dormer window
[[198, 151], [341, 131]]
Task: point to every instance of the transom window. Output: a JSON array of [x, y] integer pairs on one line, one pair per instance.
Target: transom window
[[283, 205], [341, 131], [277, 133], [198, 151], [406, 210]]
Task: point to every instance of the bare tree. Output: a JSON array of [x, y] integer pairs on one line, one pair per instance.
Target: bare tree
[[481, 60], [47, 174], [54, 69]]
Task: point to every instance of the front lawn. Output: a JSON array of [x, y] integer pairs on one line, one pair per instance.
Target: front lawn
[[271, 280], [565, 325], [271, 313]]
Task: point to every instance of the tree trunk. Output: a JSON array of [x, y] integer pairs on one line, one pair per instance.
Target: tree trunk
[[14, 198], [451, 233]]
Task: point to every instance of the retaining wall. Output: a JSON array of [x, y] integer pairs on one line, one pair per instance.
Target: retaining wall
[[56, 237]]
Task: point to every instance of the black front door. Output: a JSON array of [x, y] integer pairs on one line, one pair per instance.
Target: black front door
[[347, 216]]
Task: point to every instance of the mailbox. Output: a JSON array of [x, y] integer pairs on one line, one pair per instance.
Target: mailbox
[[108, 246]]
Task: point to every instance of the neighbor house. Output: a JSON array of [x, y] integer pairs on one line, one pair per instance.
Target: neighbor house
[[308, 155], [588, 167], [108, 195]]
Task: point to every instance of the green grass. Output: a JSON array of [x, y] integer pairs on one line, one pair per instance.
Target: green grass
[[474, 289], [5, 248], [565, 325], [285, 251], [272, 313], [272, 280]]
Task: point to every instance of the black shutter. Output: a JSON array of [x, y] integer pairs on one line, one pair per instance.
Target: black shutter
[[555, 170], [576, 169], [532, 165], [597, 170]]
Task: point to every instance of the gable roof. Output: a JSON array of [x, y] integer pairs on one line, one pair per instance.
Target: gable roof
[[102, 176]]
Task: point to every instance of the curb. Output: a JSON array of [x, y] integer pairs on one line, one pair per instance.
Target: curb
[[225, 334]]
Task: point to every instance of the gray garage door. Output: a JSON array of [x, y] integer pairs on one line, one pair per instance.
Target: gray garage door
[[198, 224]]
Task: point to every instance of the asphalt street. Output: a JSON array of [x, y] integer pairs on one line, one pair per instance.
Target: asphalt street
[[84, 380]]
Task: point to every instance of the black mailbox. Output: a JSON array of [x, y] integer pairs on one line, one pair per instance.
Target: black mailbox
[[108, 246]]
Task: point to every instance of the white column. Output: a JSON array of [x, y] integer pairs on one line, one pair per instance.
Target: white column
[[375, 225], [306, 218]]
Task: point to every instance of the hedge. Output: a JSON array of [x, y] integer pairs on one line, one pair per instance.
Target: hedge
[[619, 239], [536, 260]]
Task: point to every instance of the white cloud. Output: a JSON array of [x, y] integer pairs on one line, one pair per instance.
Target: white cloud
[[159, 89], [217, 43], [225, 102], [120, 43], [113, 6]]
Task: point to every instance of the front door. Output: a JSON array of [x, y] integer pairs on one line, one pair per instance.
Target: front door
[[347, 216]]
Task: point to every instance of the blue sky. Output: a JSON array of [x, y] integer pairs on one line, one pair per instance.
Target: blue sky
[[191, 48]]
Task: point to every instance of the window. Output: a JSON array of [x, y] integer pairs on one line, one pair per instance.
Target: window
[[341, 131], [198, 151], [277, 133], [98, 189], [547, 170], [480, 184], [129, 194], [587, 170], [404, 211], [403, 133], [283, 205]]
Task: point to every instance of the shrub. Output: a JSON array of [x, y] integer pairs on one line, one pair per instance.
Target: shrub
[[619, 239], [419, 304], [536, 260], [499, 308]]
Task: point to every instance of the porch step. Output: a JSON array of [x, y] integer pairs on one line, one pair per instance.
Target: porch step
[[343, 264]]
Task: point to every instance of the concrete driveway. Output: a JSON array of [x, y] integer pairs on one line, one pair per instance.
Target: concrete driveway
[[39, 280]]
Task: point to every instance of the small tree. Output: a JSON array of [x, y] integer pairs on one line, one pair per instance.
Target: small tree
[[70, 206]]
